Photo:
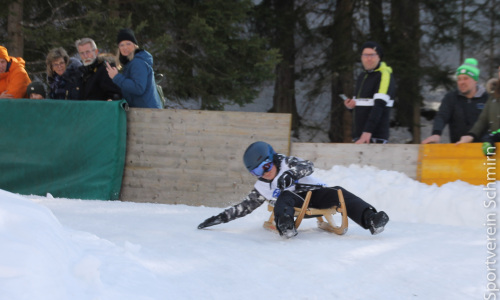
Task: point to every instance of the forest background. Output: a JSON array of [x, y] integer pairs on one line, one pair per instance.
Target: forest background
[[221, 52]]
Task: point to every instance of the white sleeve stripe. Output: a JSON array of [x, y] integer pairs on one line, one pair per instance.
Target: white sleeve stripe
[[371, 102], [384, 97]]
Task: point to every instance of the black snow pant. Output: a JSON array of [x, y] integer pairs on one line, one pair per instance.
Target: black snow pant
[[322, 198]]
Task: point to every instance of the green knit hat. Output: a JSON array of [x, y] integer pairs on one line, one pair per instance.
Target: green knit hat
[[469, 68]]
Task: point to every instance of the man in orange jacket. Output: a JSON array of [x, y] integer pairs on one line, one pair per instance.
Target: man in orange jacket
[[13, 76]]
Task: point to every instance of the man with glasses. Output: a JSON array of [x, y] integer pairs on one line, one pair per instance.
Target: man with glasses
[[373, 97], [284, 181], [96, 84], [13, 76], [460, 108]]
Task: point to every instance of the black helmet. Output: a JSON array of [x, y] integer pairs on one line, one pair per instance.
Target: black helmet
[[256, 153]]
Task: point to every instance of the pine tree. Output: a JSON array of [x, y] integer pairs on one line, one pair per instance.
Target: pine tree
[[210, 53], [342, 80], [403, 56], [276, 20]]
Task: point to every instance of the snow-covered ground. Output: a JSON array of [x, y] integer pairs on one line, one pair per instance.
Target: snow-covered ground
[[438, 245]]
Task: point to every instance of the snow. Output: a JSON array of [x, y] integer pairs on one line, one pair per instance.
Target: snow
[[437, 246]]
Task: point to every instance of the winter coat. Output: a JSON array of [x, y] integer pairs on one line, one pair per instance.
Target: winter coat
[[16, 80], [67, 86], [374, 96], [488, 120], [268, 190], [459, 112], [96, 83], [137, 81]]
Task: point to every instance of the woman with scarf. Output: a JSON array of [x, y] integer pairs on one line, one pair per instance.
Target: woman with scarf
[[63, 75]]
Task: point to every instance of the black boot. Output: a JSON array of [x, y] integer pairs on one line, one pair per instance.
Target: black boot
[[375, 221], [286, 226]]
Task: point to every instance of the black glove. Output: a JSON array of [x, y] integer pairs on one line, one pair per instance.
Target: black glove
[[286, 179], [210, 222]]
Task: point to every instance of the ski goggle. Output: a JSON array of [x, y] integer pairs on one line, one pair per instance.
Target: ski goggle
[[264, 167]]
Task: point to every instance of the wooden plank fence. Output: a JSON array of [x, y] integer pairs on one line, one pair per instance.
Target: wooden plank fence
[[397, 157], [195, 157]]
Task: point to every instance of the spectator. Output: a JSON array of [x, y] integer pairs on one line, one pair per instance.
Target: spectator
[[36, 90], [460, 108], [374, 97], [63, 75], [279, 180], [488, 122], [96, 84], [13, 76], [137, 81]]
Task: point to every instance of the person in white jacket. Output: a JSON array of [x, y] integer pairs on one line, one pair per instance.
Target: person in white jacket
[[284, 181]]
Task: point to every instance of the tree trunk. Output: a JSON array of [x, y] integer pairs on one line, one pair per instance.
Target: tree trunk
[[114, 5], [376, 20], [15, 30], [284, 87], [461, 36], [404, 54], [342, 59]]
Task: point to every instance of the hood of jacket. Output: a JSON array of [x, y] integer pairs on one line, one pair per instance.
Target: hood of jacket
[[73, 64], [145, 56], [16, 79], [17, 64], [480, 91], [101, 58], [73, 69], [384, 67]]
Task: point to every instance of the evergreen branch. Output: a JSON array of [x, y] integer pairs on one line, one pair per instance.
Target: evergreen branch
[[53, 18]]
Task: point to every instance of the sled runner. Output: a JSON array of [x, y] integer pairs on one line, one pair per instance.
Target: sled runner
[[309, 212]]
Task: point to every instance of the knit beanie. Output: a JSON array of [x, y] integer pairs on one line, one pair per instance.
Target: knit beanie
[[3, 53], [126, 35], [469, 68], [373, 46], [36, 87]]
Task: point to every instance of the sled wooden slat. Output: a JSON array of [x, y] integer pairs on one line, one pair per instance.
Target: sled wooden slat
[[305, 211]]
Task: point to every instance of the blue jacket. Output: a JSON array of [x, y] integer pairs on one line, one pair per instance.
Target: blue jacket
[[137, 81]]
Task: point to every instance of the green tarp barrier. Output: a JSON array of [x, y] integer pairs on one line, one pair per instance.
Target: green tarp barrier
[[70, 149]]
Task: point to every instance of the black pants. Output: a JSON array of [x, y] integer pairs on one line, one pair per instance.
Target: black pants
[[322, 198]]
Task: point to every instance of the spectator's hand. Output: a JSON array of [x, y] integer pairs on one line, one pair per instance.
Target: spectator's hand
[[112, 71], [210, 222], [286, 179], [466, 139], [364, 138], [350, 103], [433, 139], [6, 95]]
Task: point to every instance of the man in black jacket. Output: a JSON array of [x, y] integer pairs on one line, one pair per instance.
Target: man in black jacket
[[460, 108], [373, 97], [96, 84]]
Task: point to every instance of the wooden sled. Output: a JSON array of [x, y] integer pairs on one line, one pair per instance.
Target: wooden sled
[[309, 212]]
